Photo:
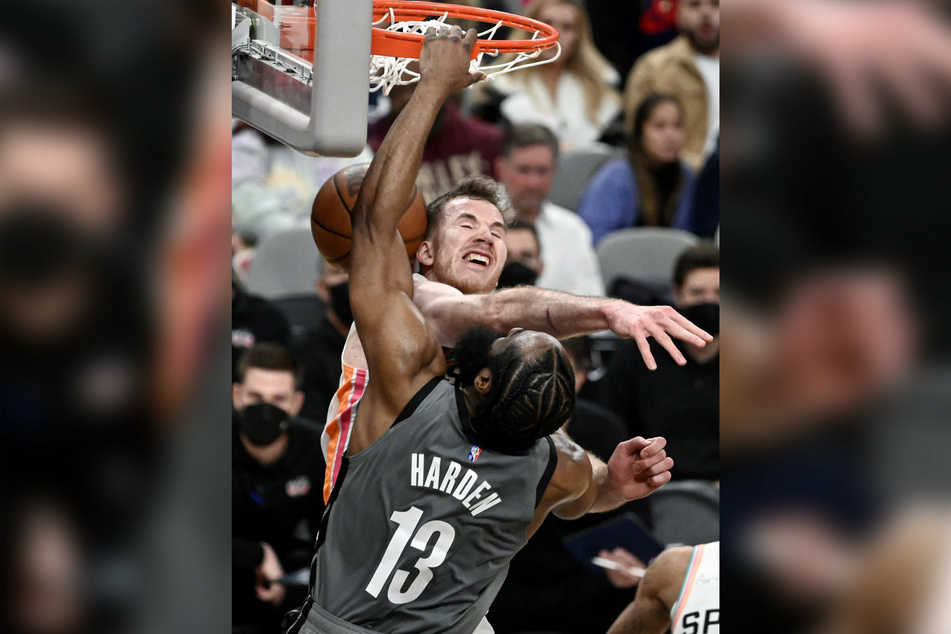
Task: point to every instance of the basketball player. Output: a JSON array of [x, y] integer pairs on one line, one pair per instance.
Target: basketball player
[[443, 484], [680, 591]]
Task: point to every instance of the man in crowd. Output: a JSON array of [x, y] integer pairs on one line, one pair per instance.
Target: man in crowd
[[681, 403], [526, 168], [689, 69], [277, 473], [523, 264]]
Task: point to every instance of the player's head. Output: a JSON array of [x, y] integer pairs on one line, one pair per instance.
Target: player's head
[[465, 238], [526, 383]]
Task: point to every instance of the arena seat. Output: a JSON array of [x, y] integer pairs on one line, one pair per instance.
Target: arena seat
[[686, 512], [285, 263], [646, 254], [574, 171]]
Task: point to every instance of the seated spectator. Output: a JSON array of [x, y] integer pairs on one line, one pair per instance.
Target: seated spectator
[[272, 185], [276, 488], [527, 170], [319, 349], [523, 263], [680, 403], [574, 95], [457, 146], [647, 188], [253, 320], [702, 211], [688, 68]]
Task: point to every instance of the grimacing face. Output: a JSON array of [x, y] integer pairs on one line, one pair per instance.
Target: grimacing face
[[468, 249]]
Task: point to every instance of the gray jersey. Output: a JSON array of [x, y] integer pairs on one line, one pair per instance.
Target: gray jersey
[[424, 523]]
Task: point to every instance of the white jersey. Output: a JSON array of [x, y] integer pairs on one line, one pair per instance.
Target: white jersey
[[697, 610]]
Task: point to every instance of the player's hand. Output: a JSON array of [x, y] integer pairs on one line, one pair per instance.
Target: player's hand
[[638, 467], [660, 322], [444, 60], [622, 578], [266, 573]]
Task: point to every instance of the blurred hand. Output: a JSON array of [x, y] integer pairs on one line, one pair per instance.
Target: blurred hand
[[622, 578], [861, 47], [266, 573], [638, 467], [660, 322]]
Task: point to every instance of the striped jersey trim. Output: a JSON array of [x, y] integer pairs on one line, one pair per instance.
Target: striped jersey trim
[[338, 430], [689, 578]]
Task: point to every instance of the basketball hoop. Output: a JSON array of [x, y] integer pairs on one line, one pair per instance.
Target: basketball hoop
[[399, 27]]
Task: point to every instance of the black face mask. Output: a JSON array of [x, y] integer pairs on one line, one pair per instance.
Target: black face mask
[[340, 302], [262, 423], [37, 245], [706, 316], [517, 274]]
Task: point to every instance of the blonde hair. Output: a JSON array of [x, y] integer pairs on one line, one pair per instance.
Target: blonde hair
[[584, 62]]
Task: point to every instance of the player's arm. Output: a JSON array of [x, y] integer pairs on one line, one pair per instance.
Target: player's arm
[[582, 483], [401, 351], [558, 314], [657, 592]]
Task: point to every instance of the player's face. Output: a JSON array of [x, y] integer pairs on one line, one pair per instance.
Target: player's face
[[528, 175], [701, 286], [468, 250], [663, 135], [699, 20]]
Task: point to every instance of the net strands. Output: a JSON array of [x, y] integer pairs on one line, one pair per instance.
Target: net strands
[[387, 71]]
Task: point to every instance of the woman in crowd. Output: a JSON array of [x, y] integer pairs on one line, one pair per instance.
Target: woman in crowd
[[646, 189], [574, 96]]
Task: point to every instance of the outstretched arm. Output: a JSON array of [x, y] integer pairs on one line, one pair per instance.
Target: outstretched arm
[[401, 351], [559, 314]]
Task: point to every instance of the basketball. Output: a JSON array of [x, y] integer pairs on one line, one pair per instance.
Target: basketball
[[330, 216]]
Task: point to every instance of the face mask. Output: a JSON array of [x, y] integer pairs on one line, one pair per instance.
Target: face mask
[[706, 316], [340, 302], [517, 274], [39, 245], [262, 423]]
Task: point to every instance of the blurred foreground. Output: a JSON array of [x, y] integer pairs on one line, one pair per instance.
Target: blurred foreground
[[836, 371]]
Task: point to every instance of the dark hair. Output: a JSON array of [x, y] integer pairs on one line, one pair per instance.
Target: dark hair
[[528, 399], [703, 256], [528, 135], [643, 113], [518, 223], [268, 356], [478, 187]]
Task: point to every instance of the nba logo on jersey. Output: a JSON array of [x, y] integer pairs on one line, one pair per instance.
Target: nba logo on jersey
[[474, 453]]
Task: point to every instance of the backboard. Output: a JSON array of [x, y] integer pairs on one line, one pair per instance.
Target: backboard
[[300, 73]]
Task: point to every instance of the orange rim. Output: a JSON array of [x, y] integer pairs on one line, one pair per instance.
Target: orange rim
[[409, 45]]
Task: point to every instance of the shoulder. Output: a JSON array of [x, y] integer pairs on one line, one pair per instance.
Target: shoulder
[[665, 574], [567, 219], [615, 171], [659, 56], [426, 291]]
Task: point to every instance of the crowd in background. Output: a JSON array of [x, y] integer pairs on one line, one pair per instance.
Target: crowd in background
[[641, 112]]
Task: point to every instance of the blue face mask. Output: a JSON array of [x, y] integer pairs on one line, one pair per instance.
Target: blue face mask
[[262, 423]]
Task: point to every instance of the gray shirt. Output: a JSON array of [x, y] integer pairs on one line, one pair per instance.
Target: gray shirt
[[424, 523]]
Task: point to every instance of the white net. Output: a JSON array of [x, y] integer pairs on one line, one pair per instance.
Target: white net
[[386, 71]]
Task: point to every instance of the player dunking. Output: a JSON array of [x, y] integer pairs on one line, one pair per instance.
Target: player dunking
[[443, 484]]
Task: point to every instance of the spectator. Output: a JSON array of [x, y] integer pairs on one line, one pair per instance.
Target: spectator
[[277, 479], [702, 211], [527, 170], [681, 403], [272, 185], [457, 146], [319, 348], [647, 188], [574, 95], [523, 263], [253, 320], [689, 69]]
